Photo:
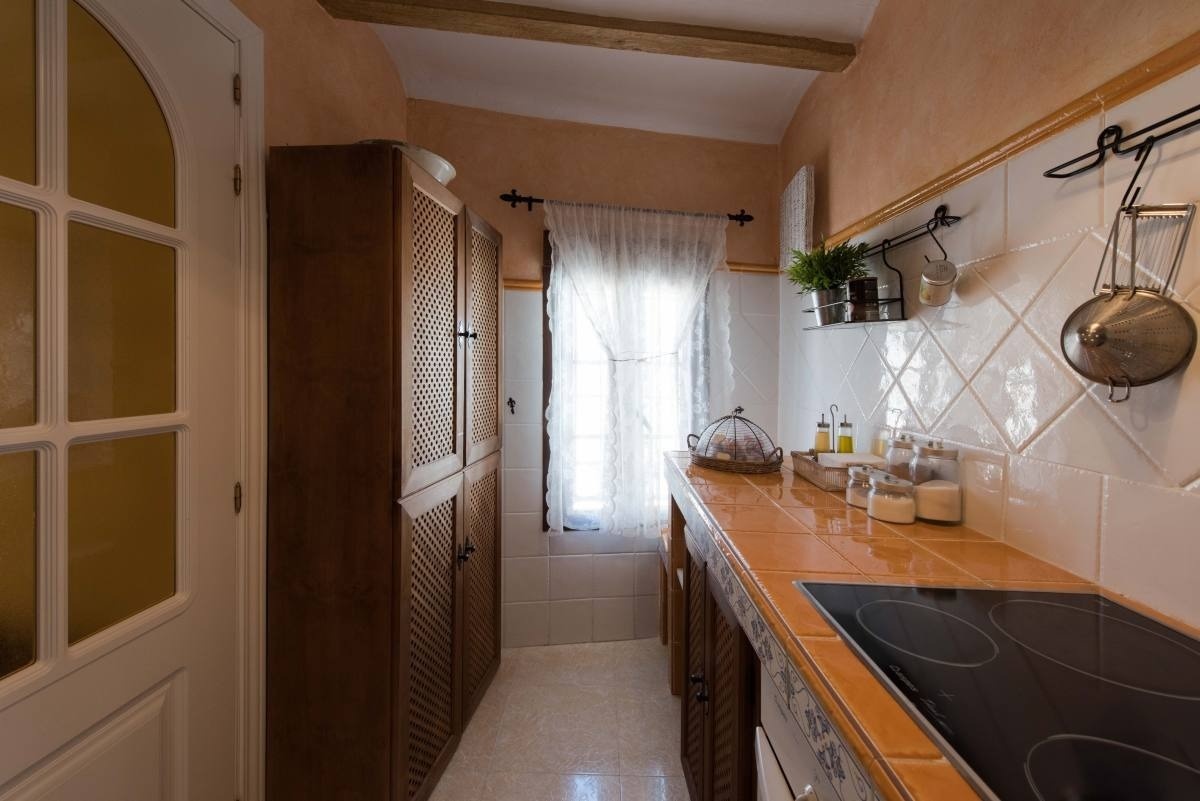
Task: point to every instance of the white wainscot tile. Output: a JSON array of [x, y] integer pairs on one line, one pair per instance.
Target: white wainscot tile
[[1162, 419], [646, 575], [645, 616], [896, 341], [1070, 288], [523, 446], [523, 490], [526, 578], [522, 358], [523, 534], [1150, 546], [971, 324], [983, 490], [1023, 388], [1019, 275], [612, 619], [528, 395], [570, 577], [967, 423], [1041, 208], [980, 203], [1053, 513], [1085, 437], [569, 543], [758, 293], [570, 621], [869, 379], [930, 382], [526, 624], [613, 574], [1173, 171]]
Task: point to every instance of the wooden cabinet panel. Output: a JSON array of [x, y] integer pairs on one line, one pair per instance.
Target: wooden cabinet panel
[[733, 697], [431, 330], [694, 706], [484, 324], [481, 581], [428, 635]]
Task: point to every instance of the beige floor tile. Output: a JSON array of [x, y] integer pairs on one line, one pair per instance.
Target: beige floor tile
[[459, 786], [653, 788], [551, 787], [543, 749]]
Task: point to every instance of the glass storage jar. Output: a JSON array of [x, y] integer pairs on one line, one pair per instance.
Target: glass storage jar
[[891, 499], [899, 454], [859, 486], [933, 461]]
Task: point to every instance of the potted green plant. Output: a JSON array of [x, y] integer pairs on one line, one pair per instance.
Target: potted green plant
[[824, 272]]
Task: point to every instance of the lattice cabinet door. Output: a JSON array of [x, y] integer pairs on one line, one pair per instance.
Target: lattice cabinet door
[[733, 713], [431, 330], [428, 636], [483, 338], [481, 581], [694, 709]]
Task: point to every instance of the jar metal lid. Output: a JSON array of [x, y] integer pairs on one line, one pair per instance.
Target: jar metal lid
[[861, 471], [889, 483], [939, 273], [900, 442], [937, 449]]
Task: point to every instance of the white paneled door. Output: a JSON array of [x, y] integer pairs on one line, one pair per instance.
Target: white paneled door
[[119, 411]]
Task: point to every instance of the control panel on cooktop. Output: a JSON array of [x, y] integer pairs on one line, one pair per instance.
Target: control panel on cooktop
[[1037, 696]]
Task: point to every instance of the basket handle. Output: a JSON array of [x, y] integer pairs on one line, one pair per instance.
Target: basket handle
[[777, 455], [691, 443]]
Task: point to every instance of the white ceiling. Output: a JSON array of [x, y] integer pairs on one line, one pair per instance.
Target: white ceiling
[[670, 94]]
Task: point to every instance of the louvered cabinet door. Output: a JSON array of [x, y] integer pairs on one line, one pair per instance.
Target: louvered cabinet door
[[428, 637], [431, 329], [733, 693], [483, 338], [694, 708], [481, 581]]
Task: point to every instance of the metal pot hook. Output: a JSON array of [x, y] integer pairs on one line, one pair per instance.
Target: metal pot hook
[[931, 226]]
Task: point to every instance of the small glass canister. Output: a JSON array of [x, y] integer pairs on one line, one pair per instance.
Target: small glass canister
[[899, 454], [859, 486], [933, 461], [891, 499]]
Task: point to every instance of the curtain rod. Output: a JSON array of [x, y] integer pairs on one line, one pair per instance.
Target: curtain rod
[[514, 199]]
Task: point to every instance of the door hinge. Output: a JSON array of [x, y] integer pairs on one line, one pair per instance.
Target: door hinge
[[237, 90], [237, 498], [237, 179]]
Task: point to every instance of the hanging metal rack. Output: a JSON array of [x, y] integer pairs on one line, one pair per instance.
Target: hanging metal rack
[[942, 218], [515, 199]]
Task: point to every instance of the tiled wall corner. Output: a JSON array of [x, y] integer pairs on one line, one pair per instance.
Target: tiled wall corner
[[1109, 491], [754, 348]]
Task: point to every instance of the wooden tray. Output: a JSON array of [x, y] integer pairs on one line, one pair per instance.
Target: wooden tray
[[830, 479]]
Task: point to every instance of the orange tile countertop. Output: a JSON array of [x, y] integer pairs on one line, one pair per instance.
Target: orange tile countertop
[[777, 528]]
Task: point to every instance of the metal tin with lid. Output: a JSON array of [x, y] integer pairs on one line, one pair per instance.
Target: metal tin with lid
[[937, 282]]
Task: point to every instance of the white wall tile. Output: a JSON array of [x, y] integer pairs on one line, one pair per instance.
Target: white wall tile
[[645, 616], [1017, 276], [1054, 513], [523, 491], [1151, 546], [612, 619], [980, 202], [1084, 436], [646, 575], [570, 621], [523, 535], [571, 577], [523, 446], [522, 335], [528, 395], [613, 575], [526, 624], [1041, 208], [526, 578], [984, 493]]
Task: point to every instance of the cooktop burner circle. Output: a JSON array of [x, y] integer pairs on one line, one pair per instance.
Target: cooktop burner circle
[[1078, 766], [927, 633], [1103, 647]]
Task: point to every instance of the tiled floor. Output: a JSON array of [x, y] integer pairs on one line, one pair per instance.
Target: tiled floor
[[590, 722]]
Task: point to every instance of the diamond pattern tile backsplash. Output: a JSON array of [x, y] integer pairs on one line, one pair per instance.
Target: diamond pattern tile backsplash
[[1049, 463]]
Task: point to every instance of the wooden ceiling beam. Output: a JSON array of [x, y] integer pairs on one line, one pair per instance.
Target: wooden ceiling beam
[[567, 27]]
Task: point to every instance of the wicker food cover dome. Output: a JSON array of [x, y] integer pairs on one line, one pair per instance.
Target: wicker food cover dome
[[735, 444]]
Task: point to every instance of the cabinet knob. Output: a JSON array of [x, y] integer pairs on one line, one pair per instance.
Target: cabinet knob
[[701, 696], [696, 678]]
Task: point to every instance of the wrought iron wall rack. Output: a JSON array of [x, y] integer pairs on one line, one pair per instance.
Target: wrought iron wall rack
[[942, 218], [514, 199]]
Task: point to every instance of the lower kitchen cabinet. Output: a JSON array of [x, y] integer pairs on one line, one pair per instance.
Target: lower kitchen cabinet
[[481, 580], [719, 707]]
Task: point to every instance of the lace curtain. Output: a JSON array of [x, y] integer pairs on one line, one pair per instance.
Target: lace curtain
[[629, 335]]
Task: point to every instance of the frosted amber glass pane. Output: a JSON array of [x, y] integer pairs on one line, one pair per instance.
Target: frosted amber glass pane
[[119, 150], [18, 560], [120, 530], [18, 90], [18, 316], [120, 325]]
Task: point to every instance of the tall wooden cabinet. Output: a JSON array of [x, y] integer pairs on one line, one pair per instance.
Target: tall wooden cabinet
[[719, 708], [383, 544]]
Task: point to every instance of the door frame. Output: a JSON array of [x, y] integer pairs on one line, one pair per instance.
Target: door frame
[[250, 524]]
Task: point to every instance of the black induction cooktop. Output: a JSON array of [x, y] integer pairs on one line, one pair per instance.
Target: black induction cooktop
[[1037, 696]]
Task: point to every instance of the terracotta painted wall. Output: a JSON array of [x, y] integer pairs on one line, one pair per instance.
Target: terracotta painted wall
[[495, 152], [938, 81], [328, 81]]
